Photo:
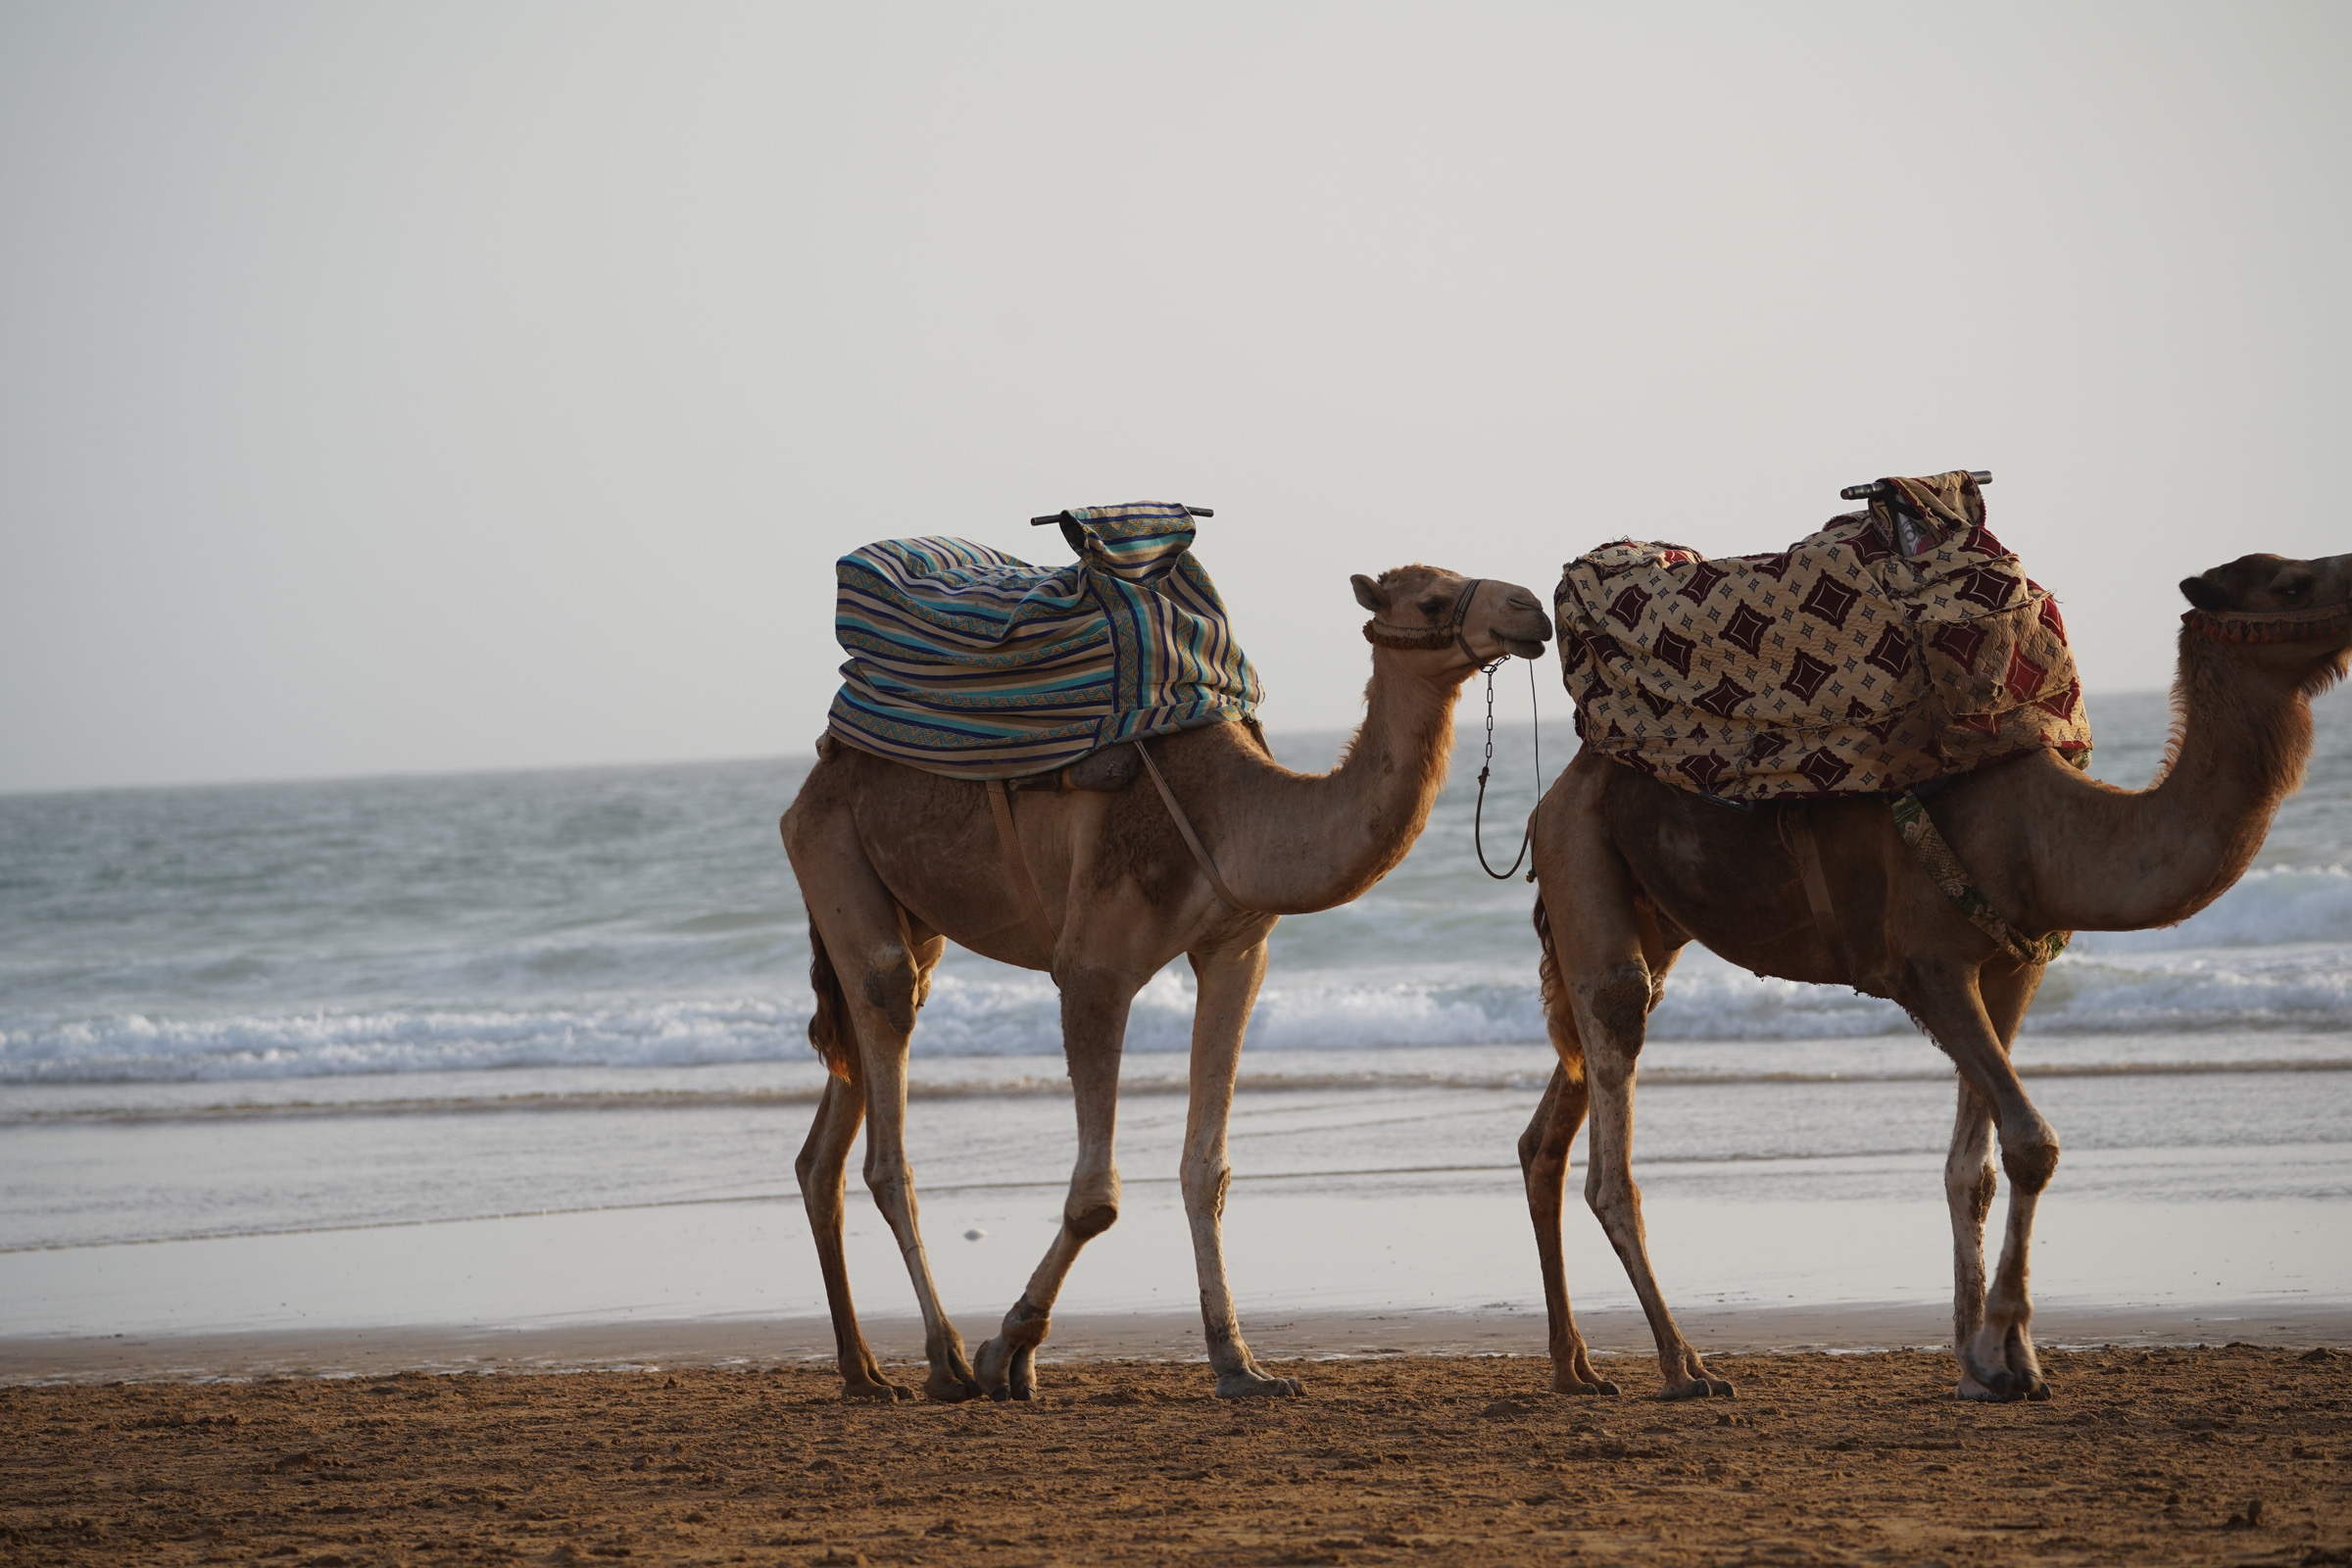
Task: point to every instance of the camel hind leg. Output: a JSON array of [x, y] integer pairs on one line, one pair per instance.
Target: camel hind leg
[[1544, 1169], [1610, 965], [881, 970], [840, 1111]]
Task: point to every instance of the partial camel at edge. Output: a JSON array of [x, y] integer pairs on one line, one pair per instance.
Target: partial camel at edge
[[1631, 869], [894, 863]]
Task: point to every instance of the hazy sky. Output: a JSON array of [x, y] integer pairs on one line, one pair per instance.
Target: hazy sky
[[403, 387]]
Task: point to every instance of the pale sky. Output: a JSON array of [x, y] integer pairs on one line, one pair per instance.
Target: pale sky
[[419, 387]]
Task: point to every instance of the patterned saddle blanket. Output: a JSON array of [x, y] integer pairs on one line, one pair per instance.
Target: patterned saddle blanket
[[968, 662], [1895, 645]]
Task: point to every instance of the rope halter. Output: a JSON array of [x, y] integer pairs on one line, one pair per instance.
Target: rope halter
[[1387, 634], [2269, 625]]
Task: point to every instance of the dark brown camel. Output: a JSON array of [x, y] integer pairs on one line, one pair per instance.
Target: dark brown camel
[[1631, 869]]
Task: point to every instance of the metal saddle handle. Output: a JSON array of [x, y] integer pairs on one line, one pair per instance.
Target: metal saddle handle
[[1875, 490], [1077, 536]]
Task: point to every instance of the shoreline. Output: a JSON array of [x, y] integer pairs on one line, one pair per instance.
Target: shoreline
[[1079, 1339]]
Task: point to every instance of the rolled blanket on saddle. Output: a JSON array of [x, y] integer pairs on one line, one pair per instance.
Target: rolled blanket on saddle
[[1898, 645], [966, 661]]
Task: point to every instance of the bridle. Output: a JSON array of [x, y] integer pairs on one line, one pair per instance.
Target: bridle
[[1387, 634], [2269, 625]]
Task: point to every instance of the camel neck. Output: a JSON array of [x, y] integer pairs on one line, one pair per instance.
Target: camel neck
[[2154, 856], [1307, 842]]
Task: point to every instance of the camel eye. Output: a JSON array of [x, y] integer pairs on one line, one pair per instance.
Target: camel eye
[[1432, 605], [2294, 590]]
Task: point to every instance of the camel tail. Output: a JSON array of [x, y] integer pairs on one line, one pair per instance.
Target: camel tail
[[1547, 972], [830, 1030], [1559, 1018]]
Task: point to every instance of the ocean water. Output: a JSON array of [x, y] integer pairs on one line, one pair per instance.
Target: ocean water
[[643, 917], [326, 1008]]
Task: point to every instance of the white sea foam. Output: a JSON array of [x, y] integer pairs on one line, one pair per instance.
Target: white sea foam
[[2305, 988]]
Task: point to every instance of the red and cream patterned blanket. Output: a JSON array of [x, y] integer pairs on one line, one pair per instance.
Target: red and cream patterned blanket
[[1895, 645]]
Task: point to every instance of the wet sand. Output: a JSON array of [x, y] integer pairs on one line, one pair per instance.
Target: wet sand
[[1080, 1337], [2240, 1453]]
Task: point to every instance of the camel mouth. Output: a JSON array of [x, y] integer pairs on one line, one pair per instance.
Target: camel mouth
[[1520, 646]]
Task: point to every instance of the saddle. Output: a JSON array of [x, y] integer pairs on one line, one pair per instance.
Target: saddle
[[968, 662], [1898, 645]]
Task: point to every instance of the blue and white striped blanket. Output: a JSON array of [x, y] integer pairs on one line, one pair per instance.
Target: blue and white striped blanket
[[966, 661]]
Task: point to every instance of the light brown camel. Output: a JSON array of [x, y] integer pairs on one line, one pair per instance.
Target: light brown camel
[[1631, 869], [894, 862]]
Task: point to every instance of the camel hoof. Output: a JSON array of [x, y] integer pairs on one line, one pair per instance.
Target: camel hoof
[[1696, 1388], [991, 1366], [946, 1387], [2039, 1393], [1256, 1386], [1721, 1390], [1022, 1378], [2003, 1388], [874, 1392]]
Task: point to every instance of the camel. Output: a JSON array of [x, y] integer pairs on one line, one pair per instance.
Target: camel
[[894, 863], [1631, 869]]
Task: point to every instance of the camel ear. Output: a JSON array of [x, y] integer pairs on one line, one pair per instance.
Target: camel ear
[[1368, 594], [2204, 593]]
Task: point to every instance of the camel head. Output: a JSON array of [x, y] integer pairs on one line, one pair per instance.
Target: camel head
[[1463, 622], [2291, 613]]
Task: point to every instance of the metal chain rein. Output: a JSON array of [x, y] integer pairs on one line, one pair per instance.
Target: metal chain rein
[[1478, 816]]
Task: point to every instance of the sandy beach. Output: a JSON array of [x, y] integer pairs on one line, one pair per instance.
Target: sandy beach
[[2229, 1455]]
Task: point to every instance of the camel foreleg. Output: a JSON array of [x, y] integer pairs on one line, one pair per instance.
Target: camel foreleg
[[1997, 1359], [1094, 1025], [1228, 989], [1969, 1184]]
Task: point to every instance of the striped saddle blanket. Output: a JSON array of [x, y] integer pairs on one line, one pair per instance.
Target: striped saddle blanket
[[966, 661], [1897, 646]]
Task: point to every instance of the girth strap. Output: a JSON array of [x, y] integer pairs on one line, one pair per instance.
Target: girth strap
[[1192, 840], [1936, 857], [1016, 865]]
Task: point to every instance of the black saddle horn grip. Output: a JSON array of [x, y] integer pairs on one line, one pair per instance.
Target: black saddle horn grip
[[1852, 492], [1063, 517]]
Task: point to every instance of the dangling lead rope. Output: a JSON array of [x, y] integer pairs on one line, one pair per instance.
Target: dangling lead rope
[[1478, 817]]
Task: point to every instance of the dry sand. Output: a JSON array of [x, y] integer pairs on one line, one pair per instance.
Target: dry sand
[[2233, 1454]]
